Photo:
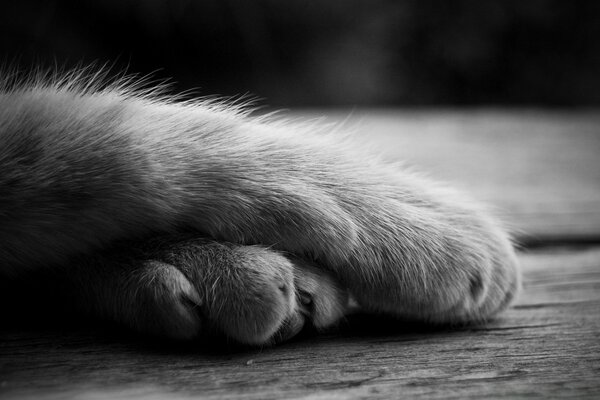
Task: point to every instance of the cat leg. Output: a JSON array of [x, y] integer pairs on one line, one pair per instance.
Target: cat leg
[[402, 244], [83, 170]]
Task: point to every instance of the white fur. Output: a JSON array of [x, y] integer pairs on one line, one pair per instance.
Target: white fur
[[84, 165]]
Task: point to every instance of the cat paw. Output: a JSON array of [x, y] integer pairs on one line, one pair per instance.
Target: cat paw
[[462, 277], [321, 299], [268, 298], [247, 292], [252, 302], [482, 285], [255, 295], [485, 292]]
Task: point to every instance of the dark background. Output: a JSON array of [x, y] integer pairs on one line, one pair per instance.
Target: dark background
[[327, 53]]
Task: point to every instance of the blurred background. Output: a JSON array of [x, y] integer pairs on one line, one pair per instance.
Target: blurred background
[[298, 53]]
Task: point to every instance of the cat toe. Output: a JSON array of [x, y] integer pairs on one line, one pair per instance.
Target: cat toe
[[321, 300], [488, 292], [255, 301], [503, 288]]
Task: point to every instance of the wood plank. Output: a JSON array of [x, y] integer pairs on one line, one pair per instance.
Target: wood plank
[[547, 346], [539, 169]]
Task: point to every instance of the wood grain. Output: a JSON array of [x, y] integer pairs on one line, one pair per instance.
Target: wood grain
[[546, 346]]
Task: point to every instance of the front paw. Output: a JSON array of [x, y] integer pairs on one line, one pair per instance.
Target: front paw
[[480, 279], [247, 292], [448, 269], [189, 288], [255, 295], [422, 251], [493, 283]]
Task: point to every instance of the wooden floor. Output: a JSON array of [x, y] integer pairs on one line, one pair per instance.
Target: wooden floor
[[541, 170]]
